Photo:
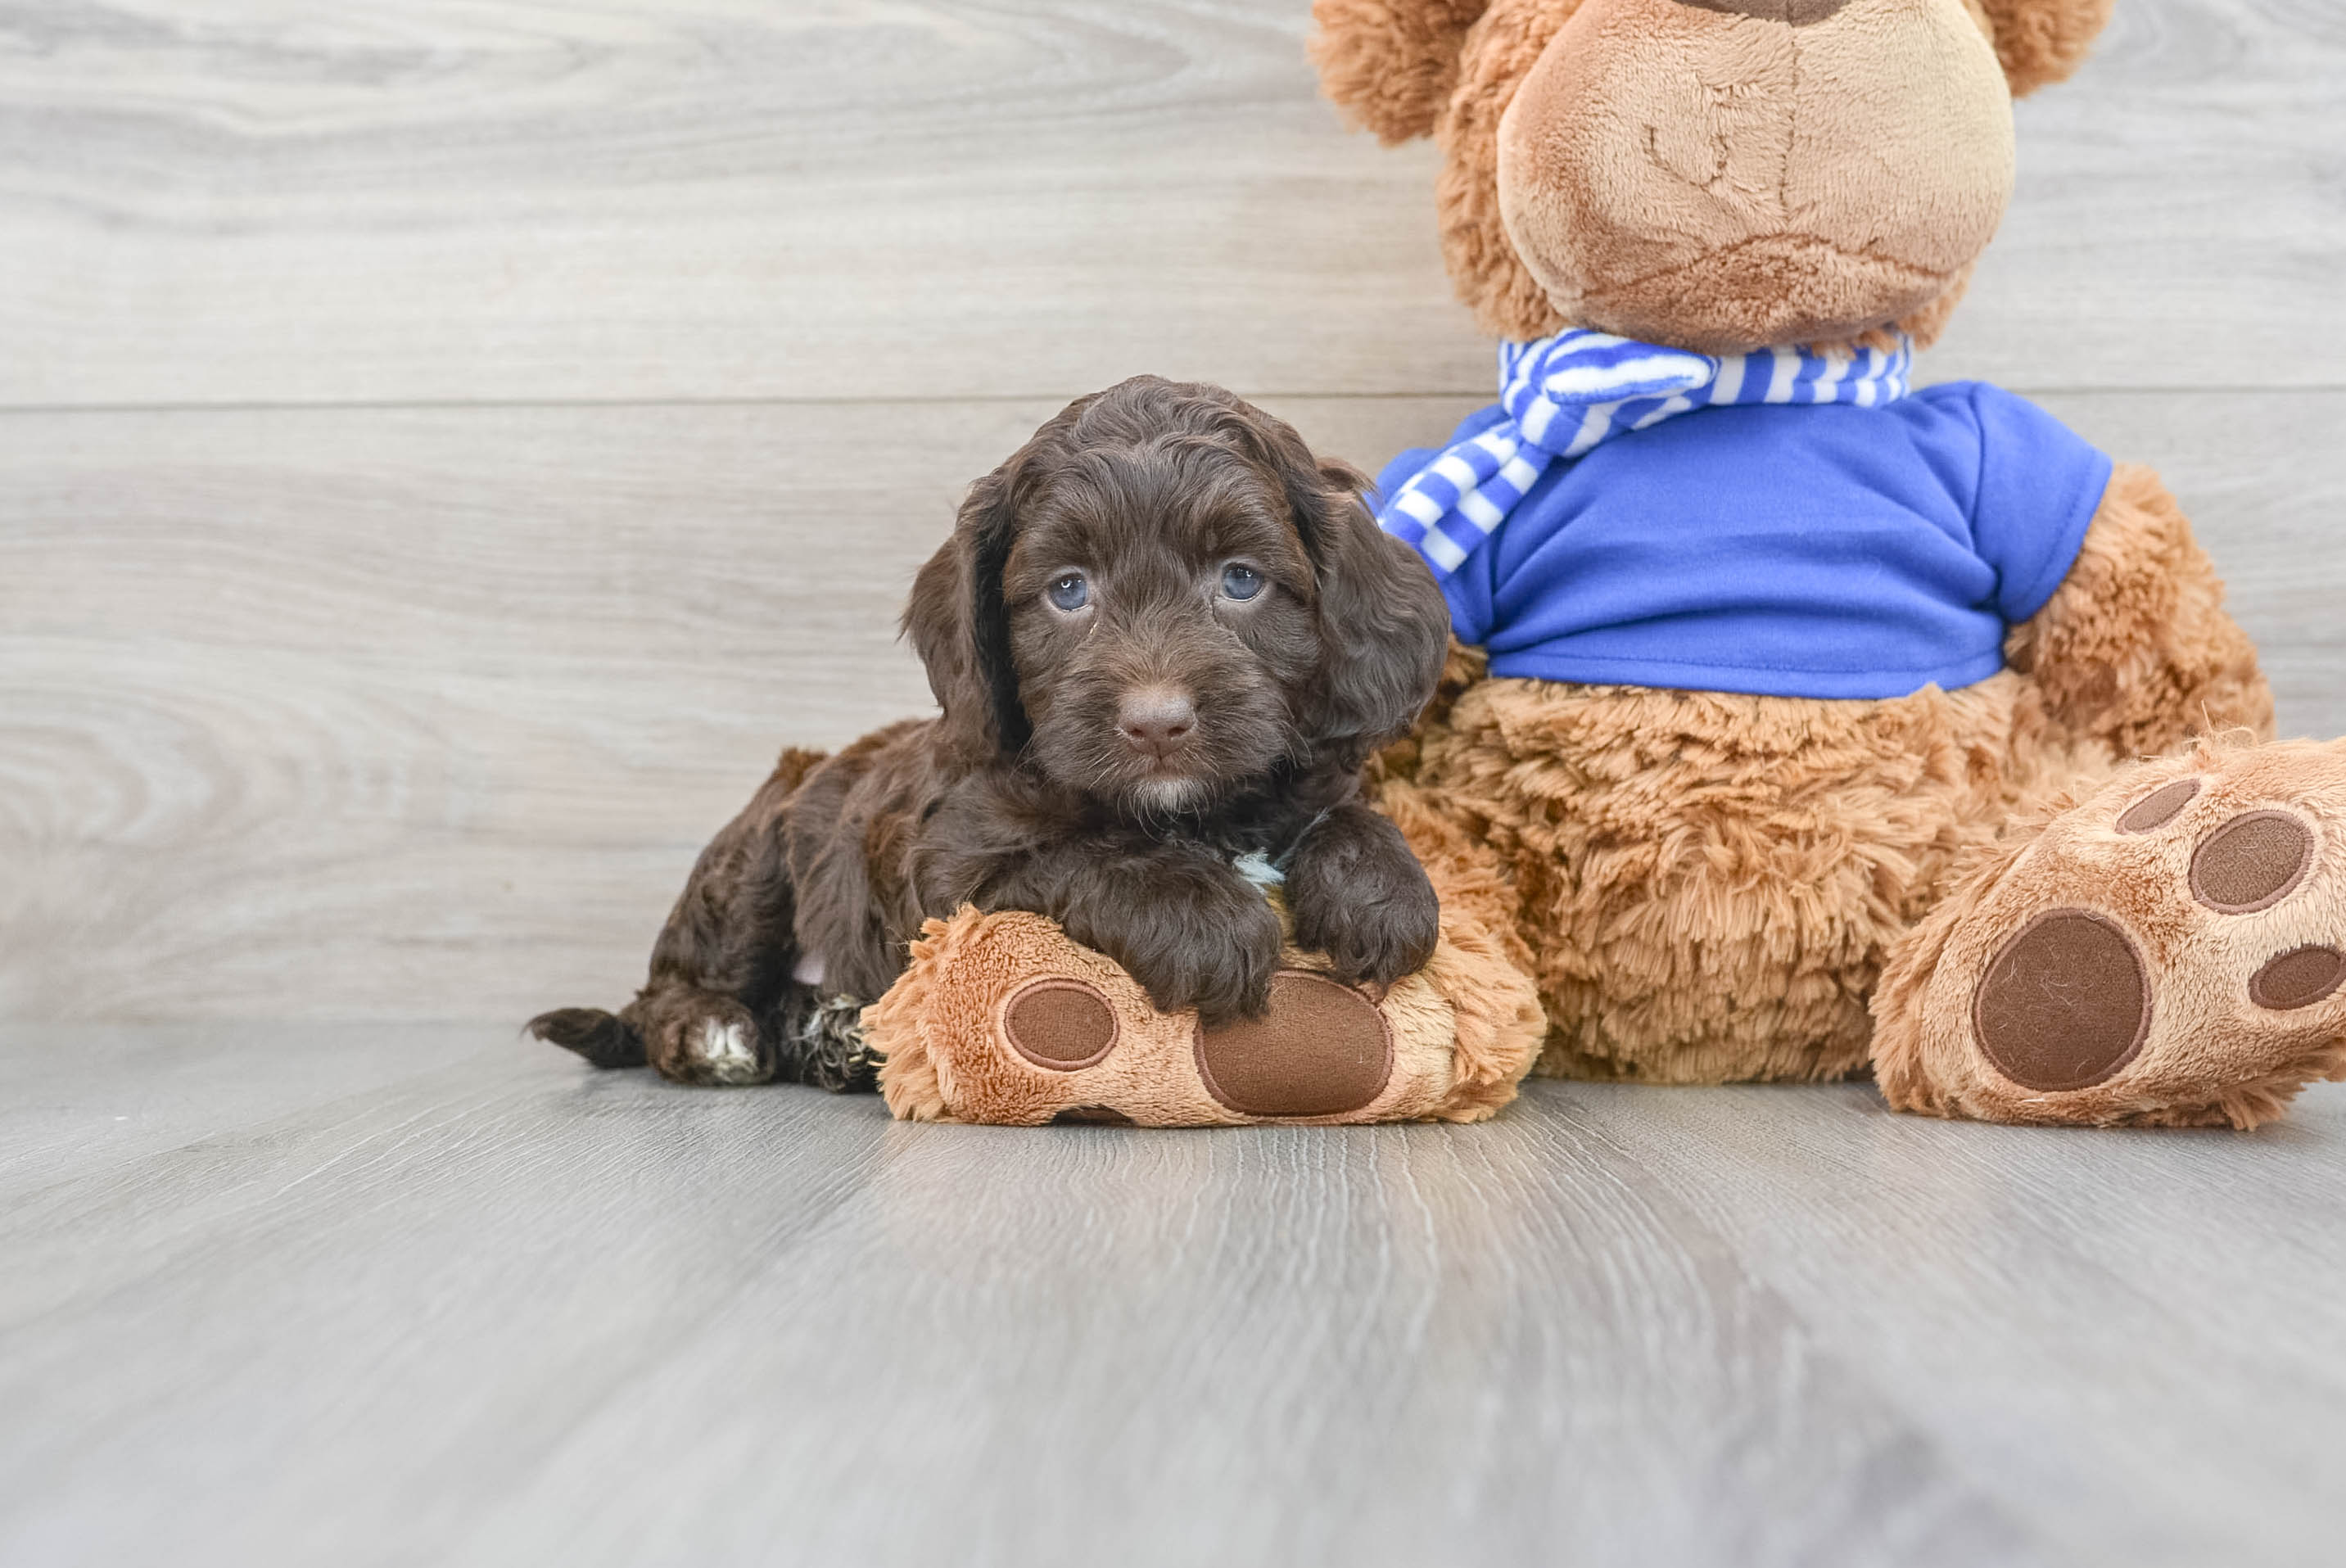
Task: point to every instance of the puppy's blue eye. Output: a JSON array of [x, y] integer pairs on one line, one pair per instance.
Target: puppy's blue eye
[[1068, 592], [1241, 582]]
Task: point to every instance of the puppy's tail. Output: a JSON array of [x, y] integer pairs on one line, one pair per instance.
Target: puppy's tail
[[604, 1038]]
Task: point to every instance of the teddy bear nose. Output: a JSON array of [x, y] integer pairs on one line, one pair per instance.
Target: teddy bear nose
[[1793, 13], [1155, 719]]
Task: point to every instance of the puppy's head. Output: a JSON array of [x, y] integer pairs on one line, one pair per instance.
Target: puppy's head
[[1162, 597]]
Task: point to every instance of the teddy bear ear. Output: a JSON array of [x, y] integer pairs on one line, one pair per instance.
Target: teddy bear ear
[[1391, 65], [2042, 41]]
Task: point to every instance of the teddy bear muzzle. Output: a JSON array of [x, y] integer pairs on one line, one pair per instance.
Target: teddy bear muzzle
[[1792, 13], [1725, 175]]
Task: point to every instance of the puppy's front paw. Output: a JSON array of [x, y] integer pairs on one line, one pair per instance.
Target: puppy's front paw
[[1235, 982], [1373, 943], [1210, 943], [1361, 897]]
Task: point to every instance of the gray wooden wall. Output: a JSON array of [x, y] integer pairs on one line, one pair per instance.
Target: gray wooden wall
[[446, 448]]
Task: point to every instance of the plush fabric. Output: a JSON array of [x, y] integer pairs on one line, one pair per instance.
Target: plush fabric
[[2042, 41], [1974, 885], [1792, 550], [1707, 886], [2216, 1039], [1729, 119], [1393, 65], [1671, 172], [1453, 1041], [1561, 397]]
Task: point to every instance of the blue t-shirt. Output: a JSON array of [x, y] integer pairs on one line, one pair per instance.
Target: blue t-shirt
[[1786, 549]]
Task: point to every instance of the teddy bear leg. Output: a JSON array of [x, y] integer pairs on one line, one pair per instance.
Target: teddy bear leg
[[2135, 653], [2169, 952], [1000, 1018]]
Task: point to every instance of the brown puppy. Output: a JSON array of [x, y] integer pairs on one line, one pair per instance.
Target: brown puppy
[[1163, 637]]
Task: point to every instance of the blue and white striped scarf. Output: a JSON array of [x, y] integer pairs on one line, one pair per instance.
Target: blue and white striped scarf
[[1563, 394]]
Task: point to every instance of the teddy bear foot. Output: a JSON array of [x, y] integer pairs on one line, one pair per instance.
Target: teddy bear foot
[[2171, 952], [1002, 1019]]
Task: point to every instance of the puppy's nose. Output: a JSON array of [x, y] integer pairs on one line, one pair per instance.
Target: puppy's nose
[[1156, 718]]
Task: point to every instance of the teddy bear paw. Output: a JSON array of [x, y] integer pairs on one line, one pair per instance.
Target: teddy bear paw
[[1319, 1049], [2170, 951], [1001, 1018]]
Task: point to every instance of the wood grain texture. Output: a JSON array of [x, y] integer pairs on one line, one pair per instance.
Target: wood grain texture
[[465, 200], [500, 1309], [2160, 1296], [78, 1096], [369, 713]]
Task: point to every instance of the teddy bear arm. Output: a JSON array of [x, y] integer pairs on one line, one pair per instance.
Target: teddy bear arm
[[1391, 65], [2135, 650]]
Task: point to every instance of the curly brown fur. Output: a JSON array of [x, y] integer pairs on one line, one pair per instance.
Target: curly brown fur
[[1162, 636]]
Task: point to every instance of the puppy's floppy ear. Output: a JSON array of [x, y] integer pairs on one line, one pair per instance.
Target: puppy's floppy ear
[[961, 629], [1384, 627], [1391, 65]]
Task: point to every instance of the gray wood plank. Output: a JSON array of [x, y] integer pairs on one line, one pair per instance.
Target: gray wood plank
[[506, 1309], [513, 1311], [79, 1097], [2187, 178], [2136, 1339], [365, 713], [439, 200]]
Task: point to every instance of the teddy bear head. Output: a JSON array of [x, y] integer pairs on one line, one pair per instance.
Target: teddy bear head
[[1718, 174]]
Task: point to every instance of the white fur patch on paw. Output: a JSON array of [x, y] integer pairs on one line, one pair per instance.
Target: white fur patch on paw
[[726, 1052]]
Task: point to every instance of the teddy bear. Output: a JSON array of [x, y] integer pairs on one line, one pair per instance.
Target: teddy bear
[[1800, 722]]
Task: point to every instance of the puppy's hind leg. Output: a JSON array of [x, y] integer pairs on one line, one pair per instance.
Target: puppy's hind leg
[[721, 965], [698, 1036], [691, 1034]]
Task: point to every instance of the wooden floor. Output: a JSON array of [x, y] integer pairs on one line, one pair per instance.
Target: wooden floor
[[408, 1294], [446, 446]]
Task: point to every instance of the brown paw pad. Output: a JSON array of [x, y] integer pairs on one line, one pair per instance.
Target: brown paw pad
[[2159, 808], [1092, 1116], [2251, 863], [2299, 978], [1060, 1025], [2066, 1003], [1322, 1049]]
